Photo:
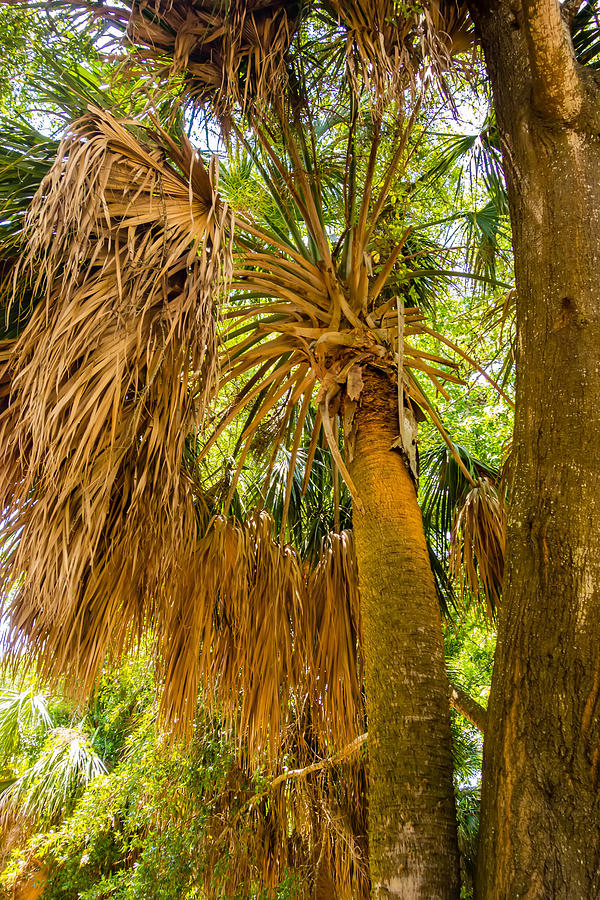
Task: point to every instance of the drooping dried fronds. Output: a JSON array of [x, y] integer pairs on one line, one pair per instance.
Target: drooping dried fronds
[[390, 44], [333, 590], [5, 351], [240, 631], [478, 543], [126, 243], [226, 54], [310, 819], [447, 30], [381, 39], [269, 641], [281, 659]]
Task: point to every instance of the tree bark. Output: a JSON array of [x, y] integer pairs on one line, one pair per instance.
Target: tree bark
[[413, 849], [540, 820]]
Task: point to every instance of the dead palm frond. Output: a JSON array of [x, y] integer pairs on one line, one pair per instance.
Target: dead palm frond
[[391, 44], [333, 593], [465, 519], [126, 244], [478, 543], [445, 487], [240, 631], [226, 54]]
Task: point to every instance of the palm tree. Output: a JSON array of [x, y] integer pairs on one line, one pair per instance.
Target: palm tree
[[125, 254]]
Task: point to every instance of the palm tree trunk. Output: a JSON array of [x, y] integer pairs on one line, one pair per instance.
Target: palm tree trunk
[[412, 825]]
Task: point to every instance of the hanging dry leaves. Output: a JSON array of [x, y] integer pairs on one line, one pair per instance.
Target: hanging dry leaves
[[127, 244], [391, 44], [478, 543], [226, 54]]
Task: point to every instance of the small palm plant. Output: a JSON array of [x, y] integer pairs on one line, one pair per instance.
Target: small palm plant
[[47, 791], [46, 767]]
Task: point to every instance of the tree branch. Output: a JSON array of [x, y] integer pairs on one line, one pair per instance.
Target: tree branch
[[348, 750], [557, 89], [464, 704], [459, 700]]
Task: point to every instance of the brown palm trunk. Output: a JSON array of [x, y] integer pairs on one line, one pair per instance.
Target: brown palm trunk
[[540, 826], [412, 826]]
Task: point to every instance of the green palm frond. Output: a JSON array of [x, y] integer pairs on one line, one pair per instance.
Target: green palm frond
[[477, 155], [47, 791], [26, 156], [585, 33], [482, 232], [21, 711]]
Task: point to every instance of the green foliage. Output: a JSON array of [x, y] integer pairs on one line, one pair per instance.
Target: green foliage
[[470, 644], [585, 31], [24, 715], [156, 822], [48, 789]]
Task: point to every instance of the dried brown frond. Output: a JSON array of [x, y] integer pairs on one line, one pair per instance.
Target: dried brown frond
[[478, 543], [240, 632], [5, 352], [391, 44], [226, 54], [333, 591], [447, 32], [264, 638], [381, 46], [126, 242]]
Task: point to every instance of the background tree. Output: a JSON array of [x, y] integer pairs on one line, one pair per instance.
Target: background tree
[[541, 758]]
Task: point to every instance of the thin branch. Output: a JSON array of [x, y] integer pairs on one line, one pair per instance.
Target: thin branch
[[348, 750]]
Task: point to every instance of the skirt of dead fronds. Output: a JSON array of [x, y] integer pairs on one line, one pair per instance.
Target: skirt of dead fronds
[[266, 637], [314, 826], [391, 44], [226, 54], [126, 245]]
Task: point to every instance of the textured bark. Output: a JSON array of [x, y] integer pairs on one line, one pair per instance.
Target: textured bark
[[412, 831], [540, 825]]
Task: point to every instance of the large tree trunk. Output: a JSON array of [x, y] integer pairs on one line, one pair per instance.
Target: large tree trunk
[[412, 829], [540, 826]]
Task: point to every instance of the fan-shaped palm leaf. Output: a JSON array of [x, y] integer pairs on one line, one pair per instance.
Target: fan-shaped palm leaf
[[46, 792], [21, 711], [585, 32]]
